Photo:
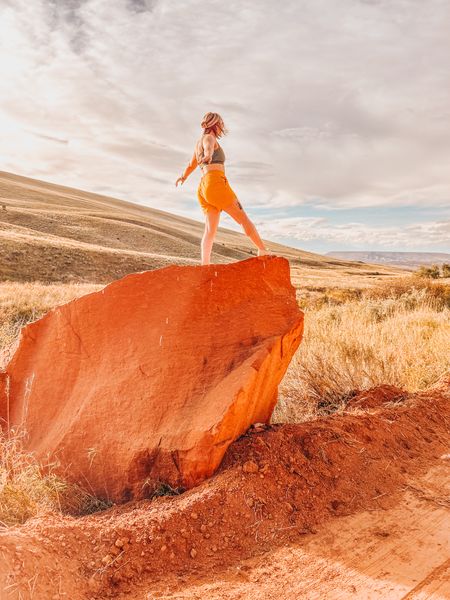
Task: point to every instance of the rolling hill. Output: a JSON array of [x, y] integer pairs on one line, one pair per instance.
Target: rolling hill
[[52, 233]]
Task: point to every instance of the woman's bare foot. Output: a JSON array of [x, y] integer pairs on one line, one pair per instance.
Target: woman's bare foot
[[262, 252]]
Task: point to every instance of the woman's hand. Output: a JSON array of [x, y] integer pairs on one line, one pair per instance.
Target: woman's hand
[[180, 181]]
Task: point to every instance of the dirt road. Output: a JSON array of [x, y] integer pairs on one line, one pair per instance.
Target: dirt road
[[402, 553], [348, 506]]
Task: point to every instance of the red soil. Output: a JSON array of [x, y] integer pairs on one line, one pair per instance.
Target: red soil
[[276, 484], [376, 397]]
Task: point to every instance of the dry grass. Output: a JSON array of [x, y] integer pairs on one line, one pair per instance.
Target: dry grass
[[397, 334], [28, 489]]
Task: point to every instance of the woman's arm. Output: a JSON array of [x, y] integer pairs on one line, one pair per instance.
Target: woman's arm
[[188, 170]]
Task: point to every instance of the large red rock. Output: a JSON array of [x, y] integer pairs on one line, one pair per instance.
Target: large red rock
[[150, 379]]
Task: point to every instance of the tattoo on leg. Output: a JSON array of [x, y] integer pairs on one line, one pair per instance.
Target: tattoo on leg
[[239, 204]]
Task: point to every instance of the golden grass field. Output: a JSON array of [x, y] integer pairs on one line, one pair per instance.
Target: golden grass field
[[395, 333], [364, 325]]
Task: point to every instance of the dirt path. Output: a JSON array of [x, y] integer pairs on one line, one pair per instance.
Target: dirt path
[[349, 506], [396, 554]]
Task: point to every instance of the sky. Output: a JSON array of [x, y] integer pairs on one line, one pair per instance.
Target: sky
[[338, 111]]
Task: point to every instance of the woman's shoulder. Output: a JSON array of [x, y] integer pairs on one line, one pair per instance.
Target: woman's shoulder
[[202, 138]]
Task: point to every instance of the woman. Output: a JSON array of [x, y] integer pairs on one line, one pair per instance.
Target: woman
[[214, 192]]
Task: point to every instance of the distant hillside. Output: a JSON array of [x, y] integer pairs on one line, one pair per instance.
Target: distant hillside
[[53, 233], [404, 260]]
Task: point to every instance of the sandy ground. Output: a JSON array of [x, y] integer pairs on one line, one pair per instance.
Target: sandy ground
[[394, 554], [347, 506]]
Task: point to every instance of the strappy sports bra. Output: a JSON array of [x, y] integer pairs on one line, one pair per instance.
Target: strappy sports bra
[[218, 156]]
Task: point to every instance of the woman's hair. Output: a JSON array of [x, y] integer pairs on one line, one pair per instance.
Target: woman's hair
[[213, 122]]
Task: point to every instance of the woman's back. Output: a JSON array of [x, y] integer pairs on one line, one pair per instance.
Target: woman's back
[[218, 156]]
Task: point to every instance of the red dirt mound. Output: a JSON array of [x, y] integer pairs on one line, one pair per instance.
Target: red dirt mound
[[154, 376], [377, 396], [275, 484]]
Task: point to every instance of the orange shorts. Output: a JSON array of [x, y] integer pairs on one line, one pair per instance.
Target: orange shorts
[[214, 191]]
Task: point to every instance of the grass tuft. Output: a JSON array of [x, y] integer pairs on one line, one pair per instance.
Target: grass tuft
[[162, 488], [397, 333], [28, 489]]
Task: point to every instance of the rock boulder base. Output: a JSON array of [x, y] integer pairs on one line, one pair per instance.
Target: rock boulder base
[[150, 379]]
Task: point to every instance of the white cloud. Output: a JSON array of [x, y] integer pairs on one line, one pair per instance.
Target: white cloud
[[359, 235], [341, 104]]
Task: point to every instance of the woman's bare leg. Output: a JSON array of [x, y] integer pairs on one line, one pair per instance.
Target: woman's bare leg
[[240, 216], [211, 224]]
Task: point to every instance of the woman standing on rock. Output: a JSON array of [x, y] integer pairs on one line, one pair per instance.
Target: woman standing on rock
[[214, 192]]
